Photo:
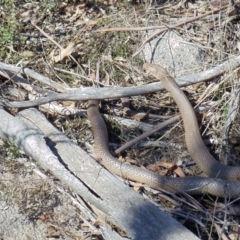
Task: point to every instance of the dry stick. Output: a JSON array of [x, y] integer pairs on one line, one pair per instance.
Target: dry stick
[[146, 134], [82, 94], [130, 29], [78, 75], [157, 27], [175, 26], [219, 230], [47, 36], [158, 127], [34, 75]]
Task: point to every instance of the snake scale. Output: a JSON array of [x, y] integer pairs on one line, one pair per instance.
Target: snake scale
[[222, 180]]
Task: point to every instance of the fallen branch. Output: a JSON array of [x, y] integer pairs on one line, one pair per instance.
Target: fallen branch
[[83, 94], [137, 216], [157, 128], [34, 75]]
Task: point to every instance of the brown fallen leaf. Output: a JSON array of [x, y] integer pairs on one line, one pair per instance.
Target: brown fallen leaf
[[44, 218], [172, 167], [63, 53], [141, 116]]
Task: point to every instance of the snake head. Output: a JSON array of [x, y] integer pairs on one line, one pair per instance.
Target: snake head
[[156, 70]]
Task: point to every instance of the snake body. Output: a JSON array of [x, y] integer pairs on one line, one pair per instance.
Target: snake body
[[222, 180]]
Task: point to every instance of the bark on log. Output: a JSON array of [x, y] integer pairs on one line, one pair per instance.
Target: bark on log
[[53, 151]]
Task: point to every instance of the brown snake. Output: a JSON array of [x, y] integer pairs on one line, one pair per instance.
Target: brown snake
[[222, 180]]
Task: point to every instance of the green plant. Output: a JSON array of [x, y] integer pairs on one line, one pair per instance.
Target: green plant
[[12, 150], [9, 27]]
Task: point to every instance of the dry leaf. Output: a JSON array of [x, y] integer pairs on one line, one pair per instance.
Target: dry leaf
[[172, 167], [63, 53], [179, 172], [141, 116], [43, 217]]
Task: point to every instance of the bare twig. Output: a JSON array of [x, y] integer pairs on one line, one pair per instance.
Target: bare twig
[[175, 26], [83, 94], [34, 75], [148, 133], [130, 29]]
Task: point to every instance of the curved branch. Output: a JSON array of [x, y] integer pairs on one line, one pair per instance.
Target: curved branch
[[83, 94]]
